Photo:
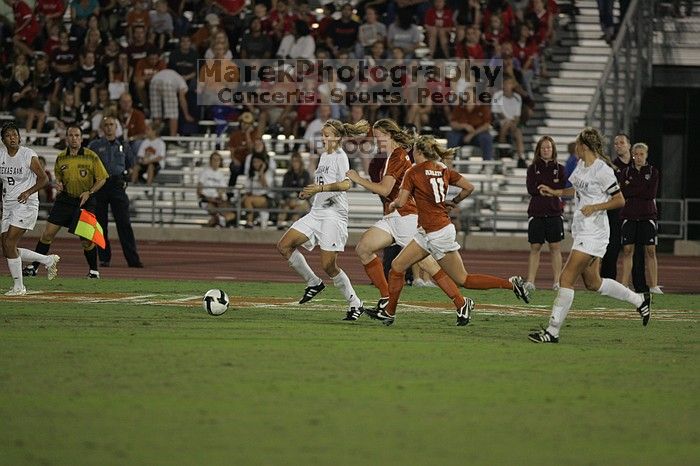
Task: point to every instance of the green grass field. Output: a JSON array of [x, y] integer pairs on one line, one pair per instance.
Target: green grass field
[[135, 372]]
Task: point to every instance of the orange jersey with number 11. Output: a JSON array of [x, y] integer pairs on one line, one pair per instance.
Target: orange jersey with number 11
[[427, 182]]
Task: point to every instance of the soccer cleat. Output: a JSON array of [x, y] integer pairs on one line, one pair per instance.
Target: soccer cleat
[[354, 313], [464, 313], [17, 292], [93, 274], [52, 269], [521, 292], [310, 292], [543, 336], [29, 271], [645, 309], [530, 287], [656, 290], [380, 315]]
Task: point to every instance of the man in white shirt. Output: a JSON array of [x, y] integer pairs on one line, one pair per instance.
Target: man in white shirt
[[166, 90], [507, 106]]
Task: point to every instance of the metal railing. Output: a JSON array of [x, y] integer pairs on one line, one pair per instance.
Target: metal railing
[[627, 73]]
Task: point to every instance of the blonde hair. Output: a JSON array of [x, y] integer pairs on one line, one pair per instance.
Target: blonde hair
[[347, 129], [591, 138], [431, 149], [640, 145], [403, 137]]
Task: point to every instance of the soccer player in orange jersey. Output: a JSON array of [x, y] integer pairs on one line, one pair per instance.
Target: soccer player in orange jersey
[[398, 225], [427, 182]]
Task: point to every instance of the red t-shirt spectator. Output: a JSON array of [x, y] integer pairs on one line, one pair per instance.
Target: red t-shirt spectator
[[525, 51], [50, 7], [23, 13], [287, 20], [476, 51], [439, 19], [507, 18], [231, 7]]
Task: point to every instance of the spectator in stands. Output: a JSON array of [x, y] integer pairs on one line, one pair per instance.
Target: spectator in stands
[[504, 11], [605, 14], [332, 88], [150, 158], [80, 12], [138, 46], [282, 21], [259, 182], [211, 190], [183, 60], [439, 24], [88, 77], [303, 12], [467, 13], [306, 110], [219, 37], [26, 26], [471, 124], [404, 33], [138, 15], [67, 113], [298, 45], [111, 15], [201, 38], [495, 33], [256, 44], [133, 121], [471, 47], [640, 183], [342, 33], [49, 12], [118, 159], [571, 162], [545, 223], [370, 32], [295, 179], [104, 105], [313, 130], [24, 99], [543, 22], [168, 89], [507, 106], [240, 143], [52, 40], [64, 60], [120, 73], [93, 41], [110, 52], [44, 83], [144, 71], [525, 49], [161, 24]]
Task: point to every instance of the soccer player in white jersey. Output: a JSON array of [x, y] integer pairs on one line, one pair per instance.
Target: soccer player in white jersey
[[326, 225], [22, 177], [595, 186]]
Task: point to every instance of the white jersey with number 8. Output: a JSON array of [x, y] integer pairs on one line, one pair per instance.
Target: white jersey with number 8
[[17, 176]]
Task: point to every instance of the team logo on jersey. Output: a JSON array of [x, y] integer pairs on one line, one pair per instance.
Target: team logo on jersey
[[64, 167], [83, 172], [647, 176]]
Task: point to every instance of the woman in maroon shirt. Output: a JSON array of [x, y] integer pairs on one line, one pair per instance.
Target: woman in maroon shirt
[[545, 221]]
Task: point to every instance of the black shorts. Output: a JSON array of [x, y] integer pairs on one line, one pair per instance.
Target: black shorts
[[640, 232], [541, 229], [66, 210], [143, 169]]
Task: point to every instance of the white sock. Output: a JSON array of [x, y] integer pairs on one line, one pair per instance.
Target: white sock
[[298, 263], [560, 309], [15, 266], [618, 291], [28, 256], [342, 282]]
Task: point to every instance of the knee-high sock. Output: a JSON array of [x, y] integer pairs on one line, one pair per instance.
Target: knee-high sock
[[15, 266], [41, 248], [30, 256], [560, 309], [91, 257], [375, 272], [298, 262], [616, 290], [396, 281], [486, 282], [342, 282], [448, 286]]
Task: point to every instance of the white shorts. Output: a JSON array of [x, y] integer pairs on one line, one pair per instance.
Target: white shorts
[[438, 243], [329, 233], [595, 247], [401, 228], [20, 216]]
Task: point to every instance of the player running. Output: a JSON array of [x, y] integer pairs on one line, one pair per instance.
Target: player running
[[326, 225], [596, 189], [22, 177], [427, 182]]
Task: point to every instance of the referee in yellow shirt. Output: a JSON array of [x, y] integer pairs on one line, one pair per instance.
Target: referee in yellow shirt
[[79, 175]]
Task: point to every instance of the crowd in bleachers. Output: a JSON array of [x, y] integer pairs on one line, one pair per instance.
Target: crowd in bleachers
[[137, 60]]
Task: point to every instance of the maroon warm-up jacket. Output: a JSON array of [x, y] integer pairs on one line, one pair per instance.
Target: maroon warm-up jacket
[[551, 174], [639, 188]]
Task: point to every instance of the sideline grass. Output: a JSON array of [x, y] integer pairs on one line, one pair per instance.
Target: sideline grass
[[121, 383]]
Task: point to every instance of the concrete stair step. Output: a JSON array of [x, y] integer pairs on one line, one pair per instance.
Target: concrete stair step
[[576, 66], [584, 43], [568, 99], [584, 27], [581, 58], [579, 74], [557, 122], [563, 107], [559, 81], [567, 90], [543, 131]]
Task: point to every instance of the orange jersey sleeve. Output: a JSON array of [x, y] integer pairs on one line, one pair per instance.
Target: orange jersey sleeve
[[396, 166], [428, 183]]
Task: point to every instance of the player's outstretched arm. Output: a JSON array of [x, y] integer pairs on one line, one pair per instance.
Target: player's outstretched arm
[[383, 188]]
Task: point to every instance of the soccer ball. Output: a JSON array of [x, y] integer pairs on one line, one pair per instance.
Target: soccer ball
[[215, 302]]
